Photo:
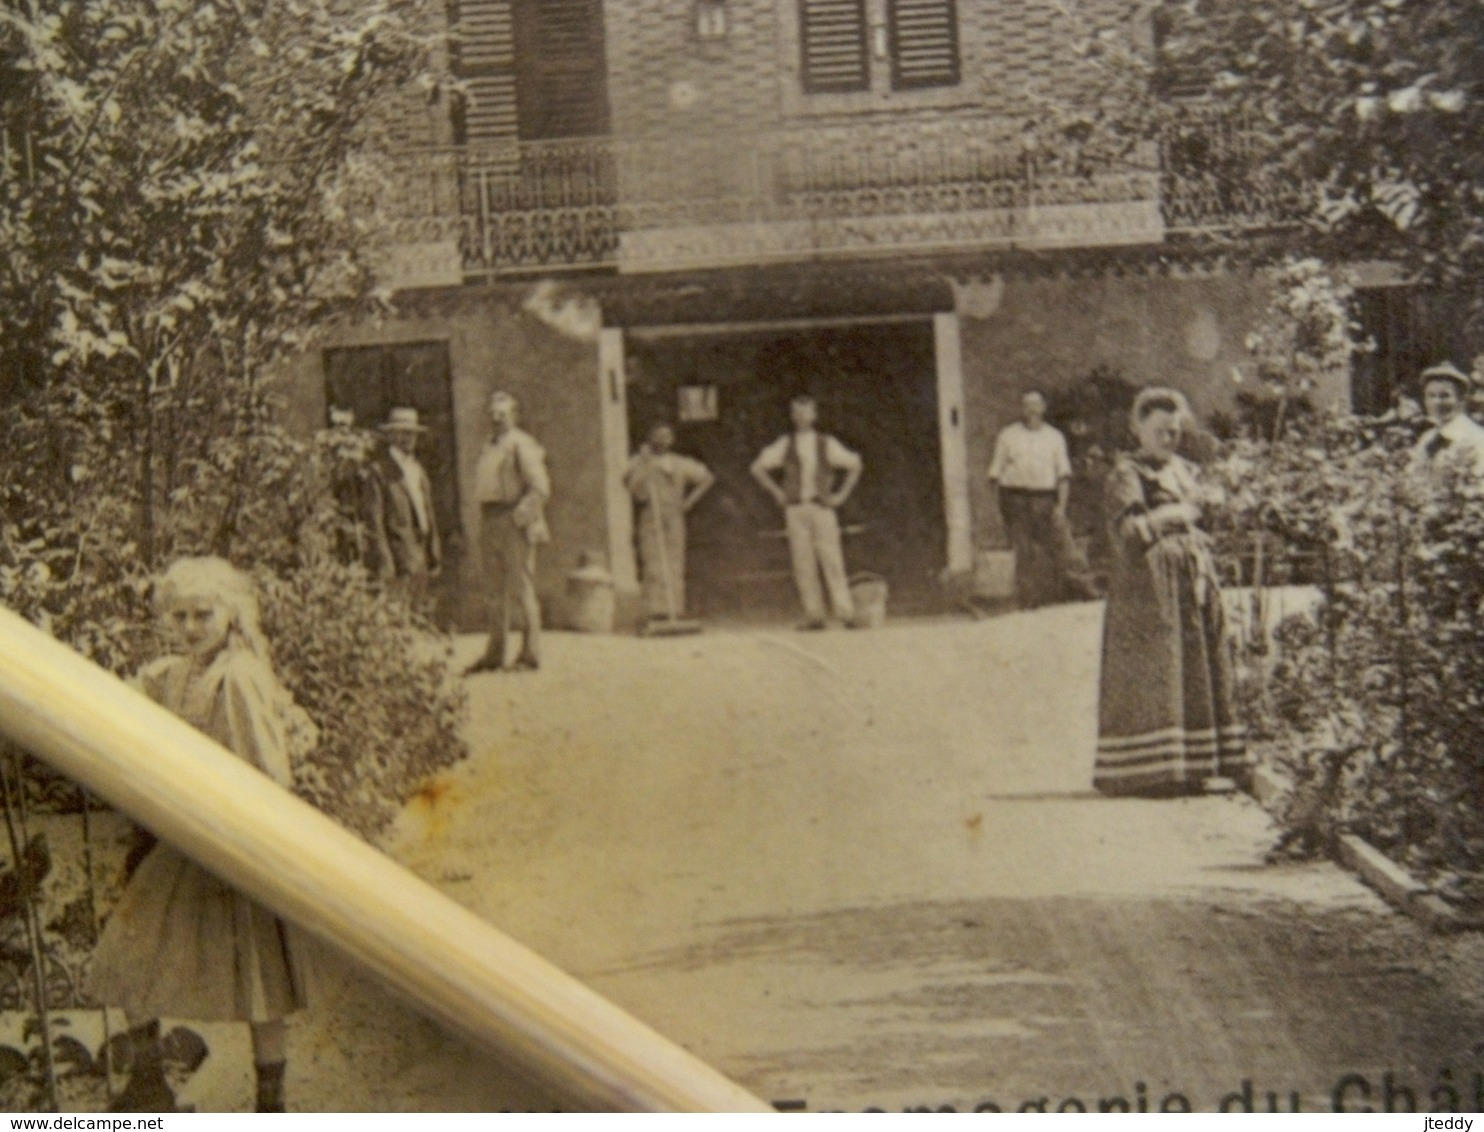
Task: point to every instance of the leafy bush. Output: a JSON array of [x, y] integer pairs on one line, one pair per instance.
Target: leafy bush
[[372, 673], [1375, 704], [374, 678], [1307, 336]]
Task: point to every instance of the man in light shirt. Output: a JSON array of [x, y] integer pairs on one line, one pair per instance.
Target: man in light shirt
[[818, 473], [406, 528], [1031, 475], [1454, 434], [665, 486], [512, 486]]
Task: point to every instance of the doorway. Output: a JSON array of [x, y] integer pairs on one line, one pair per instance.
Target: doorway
[[728, 393]]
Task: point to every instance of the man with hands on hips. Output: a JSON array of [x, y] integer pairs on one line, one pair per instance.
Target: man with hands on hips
[[810, 475]]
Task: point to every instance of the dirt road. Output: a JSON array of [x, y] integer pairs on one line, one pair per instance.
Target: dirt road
[[864, 869]]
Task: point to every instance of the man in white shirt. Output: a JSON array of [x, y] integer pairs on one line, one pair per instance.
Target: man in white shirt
[[1031, 475], [406, 535], [811, 463], [1454, 434], [512, 486]]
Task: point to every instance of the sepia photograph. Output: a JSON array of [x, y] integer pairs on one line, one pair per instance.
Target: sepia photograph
[[742, 556]]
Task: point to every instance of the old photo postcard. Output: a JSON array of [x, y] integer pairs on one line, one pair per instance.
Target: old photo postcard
[[802, 555]]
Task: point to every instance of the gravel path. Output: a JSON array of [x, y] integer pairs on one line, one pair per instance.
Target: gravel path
[[864, 869]]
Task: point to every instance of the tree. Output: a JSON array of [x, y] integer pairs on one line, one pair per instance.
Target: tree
[[176, 208], [188, 195], [1375, 108]]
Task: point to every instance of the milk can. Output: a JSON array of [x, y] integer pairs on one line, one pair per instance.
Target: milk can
[[590, 594]]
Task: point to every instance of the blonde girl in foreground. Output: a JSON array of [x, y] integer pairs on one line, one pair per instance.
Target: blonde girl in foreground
[[181, 943]]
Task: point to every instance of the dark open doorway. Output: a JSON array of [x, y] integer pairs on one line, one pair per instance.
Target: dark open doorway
[[728, 395]]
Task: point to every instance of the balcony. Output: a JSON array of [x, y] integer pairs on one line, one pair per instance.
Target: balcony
[[1218, 175], [660, 204]]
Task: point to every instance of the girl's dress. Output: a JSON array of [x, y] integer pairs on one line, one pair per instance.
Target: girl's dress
[[1165, 716], [181, 942]]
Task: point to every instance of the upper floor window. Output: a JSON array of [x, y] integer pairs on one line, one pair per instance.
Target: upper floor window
[[839, 40], [531, 69]]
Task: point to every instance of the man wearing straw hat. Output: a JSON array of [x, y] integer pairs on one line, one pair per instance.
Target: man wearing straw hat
[[406, 533], [1445, 393], [512, 487]]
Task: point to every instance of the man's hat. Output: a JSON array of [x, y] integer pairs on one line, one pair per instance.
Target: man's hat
[[403, 420], [1445, 371]]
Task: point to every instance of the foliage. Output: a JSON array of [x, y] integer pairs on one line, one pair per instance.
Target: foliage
[[1105, 113], [374, 676], [1353, 129], [1374, 701], [1307, 337], [376, 680], [29, 1080], [75, 1073], [1093, 415], [181, 204], [174, 209], [187, 193], [1093, 412], [175, 178], [1375, 107]]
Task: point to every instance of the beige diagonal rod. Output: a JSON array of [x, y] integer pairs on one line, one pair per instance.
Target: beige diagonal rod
[[285, 854]]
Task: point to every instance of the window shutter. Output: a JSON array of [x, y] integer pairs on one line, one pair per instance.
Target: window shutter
[[562, 72], [833, 43], [924, 43], [484, 58]]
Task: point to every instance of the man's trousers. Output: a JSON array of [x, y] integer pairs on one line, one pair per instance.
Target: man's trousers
[[509, 562], [1048, 565], [814, 544]]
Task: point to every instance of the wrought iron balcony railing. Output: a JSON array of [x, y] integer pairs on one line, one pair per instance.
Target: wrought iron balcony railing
[[651, 203], [1218, 174]]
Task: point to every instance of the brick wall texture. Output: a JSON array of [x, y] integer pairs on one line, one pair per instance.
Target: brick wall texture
[[664, 79]]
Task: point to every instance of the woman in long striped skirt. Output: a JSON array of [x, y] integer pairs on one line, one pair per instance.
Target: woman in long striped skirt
[[1165, 718]]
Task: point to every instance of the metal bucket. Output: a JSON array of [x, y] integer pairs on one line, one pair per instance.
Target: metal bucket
[[868, 593]]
